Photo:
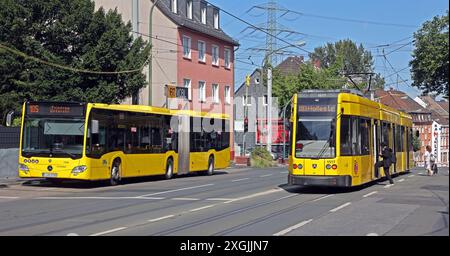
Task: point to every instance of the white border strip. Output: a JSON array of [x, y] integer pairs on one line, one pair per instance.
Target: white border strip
[[287, 230]]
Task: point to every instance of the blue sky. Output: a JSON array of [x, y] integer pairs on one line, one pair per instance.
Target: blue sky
[[406, 15]]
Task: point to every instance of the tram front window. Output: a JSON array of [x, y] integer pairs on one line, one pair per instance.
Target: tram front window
[[315, 138]]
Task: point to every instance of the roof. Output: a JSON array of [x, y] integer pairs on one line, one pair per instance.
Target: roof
[[183, 21], [400, 101], [291, 65]]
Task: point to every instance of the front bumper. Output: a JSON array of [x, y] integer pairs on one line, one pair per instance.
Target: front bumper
[[328, 181]]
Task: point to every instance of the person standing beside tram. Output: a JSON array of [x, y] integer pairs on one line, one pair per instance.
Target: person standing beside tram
[[386, 154]]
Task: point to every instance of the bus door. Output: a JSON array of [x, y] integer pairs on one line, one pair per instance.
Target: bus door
[[183, 144]]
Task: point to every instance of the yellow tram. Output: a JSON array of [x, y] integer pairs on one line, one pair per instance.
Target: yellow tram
[[336, 136]]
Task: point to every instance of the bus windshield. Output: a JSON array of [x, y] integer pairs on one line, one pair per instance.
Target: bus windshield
[[53, 137], [315, 136]]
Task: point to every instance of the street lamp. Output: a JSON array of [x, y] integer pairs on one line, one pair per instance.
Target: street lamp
[[269, 92]]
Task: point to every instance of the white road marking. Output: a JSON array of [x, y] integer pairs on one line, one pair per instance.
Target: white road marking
[[201, 208], [72, 234], [372, 234], [371, 193], [161, 218], [46, 189], [284, 172], [184, 199], [340, 207], [270, 191], [412, 175], [287, 230], [320, 198], [267, 175], [388, 185], [174, 190], [108, 231], [96, 198], [240, 179], [219, 199], [420, 173], [9, 197], [401, 180]]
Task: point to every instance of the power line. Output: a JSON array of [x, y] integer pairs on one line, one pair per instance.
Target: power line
[[262, 30], [60, 66]]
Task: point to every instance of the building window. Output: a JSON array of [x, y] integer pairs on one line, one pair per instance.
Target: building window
[[189, 9], [226, 58], [201, 51], [246, 101], [215, 93], [203, 13], [186, 47], [215, 55], [216, 19], [202, 91], [174, 6], [187, 84], [265, 100], [227, 95]]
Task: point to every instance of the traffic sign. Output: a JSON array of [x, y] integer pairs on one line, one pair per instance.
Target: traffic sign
[[177, 92]]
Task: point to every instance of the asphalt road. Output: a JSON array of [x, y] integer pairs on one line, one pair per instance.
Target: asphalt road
[[249, 202]]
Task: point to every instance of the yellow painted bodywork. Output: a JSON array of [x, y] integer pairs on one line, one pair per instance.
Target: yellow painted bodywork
[[132, 165], [360, 168]]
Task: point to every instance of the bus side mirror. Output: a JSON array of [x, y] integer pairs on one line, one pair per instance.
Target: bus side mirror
[[417, 134], [94, 126]]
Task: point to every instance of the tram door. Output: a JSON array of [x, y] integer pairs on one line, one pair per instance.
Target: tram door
[[376, 145], [183, 144], [394, 145]]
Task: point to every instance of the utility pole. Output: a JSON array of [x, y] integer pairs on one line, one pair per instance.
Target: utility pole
[[150, 63], [269, 109]]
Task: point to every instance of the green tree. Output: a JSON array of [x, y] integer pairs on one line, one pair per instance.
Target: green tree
[[352, 59], [308, 77], [416, 143], [429, 66], [70, 33]]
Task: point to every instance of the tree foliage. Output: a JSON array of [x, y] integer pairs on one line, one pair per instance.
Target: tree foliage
[[429, 66], [73, 34], [352, 59], [307, 77]]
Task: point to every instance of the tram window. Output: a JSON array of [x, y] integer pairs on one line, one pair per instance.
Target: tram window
[[364, 129], [385, 129], [346, 149], [356, 137]]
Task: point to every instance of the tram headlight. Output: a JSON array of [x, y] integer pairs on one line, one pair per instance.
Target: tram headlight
[[300, 166], [79, 169], [23, 168], [328, 166]]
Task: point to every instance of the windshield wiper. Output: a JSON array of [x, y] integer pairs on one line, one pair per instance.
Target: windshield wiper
[[73, 156]]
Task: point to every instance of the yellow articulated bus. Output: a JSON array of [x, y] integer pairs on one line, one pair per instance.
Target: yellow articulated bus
[[63, 140], [336, 137]]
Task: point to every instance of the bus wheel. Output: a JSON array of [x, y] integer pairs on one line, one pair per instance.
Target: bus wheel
[[169, 169], [115, 173], [210, 170]]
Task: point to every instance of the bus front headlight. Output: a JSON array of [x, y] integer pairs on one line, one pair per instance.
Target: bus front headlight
[[23, 168], [79, 169]]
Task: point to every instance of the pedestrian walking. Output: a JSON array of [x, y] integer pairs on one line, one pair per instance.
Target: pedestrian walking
[[429, 160], [386, 154]]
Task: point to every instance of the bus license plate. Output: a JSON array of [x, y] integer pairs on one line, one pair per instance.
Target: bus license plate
[[46, 174]]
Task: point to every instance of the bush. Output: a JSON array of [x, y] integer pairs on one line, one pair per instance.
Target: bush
[[261, 158]]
